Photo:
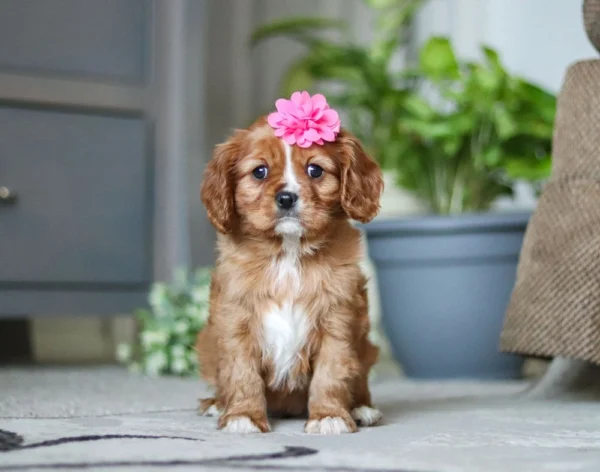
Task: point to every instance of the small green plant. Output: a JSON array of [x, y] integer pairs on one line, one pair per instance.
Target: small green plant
[[457, 134], [470, 130], [168, 330]]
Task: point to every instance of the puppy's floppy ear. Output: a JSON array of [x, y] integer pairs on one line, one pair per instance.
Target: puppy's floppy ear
[[218, 187], [361, 180]]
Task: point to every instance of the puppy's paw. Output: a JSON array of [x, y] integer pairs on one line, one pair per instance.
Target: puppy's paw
[[243, 424], [366, 416], [330, 425], [208, 407], [240, 424]]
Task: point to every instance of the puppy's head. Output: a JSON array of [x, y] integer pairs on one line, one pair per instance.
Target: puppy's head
[[258, 185]]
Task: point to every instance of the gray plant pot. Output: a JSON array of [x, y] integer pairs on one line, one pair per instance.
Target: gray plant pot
[[445, 283]]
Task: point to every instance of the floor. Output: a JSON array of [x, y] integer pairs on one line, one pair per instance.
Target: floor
[[106, 419]]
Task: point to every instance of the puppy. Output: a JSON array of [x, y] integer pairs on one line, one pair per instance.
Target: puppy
[[288, 325]]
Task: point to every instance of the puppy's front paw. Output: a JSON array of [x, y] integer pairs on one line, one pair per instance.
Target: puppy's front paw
[[209, 407], [330, 425], [366, 416], [243, 424]]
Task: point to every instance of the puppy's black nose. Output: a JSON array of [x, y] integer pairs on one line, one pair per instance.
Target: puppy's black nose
[[286, 200]]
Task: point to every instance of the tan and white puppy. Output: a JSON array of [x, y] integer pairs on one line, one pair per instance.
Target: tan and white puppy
[[288, 326]]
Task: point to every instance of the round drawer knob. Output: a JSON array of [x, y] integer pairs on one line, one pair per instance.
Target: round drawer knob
[[7, 196]]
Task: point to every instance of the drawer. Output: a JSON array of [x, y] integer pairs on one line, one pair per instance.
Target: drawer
[[83, 213], [89, 38]]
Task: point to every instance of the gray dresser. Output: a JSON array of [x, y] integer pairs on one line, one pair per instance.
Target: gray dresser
[[93, 108]]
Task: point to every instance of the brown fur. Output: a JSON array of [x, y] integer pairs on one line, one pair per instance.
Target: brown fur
[[330, 377]]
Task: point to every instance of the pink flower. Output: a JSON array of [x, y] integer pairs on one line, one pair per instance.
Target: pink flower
[[305, 120]]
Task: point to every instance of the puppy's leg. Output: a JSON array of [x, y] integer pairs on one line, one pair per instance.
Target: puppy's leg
[[241, 387], [330, 392], [363, 411]]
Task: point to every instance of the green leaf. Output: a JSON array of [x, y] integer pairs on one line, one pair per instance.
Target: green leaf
[[299, 28], [419, 107], [529, 168], [461, 123], [426, 129], [493, 59], [487, 80], [451, 145], [506, 126], [391, 30], [346, 100], [535, 128], [381, 50], [393, 21], [342, 73], [390, 154], [541, 101], [410, 73], [437, 59], [492, 156]]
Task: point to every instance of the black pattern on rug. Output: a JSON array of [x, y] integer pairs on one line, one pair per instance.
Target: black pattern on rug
[[10, 441]]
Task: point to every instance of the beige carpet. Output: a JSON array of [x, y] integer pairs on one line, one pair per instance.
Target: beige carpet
[[105, 419]]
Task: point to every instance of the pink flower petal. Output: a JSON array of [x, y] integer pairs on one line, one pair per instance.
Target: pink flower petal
[[330, 117], [319, 101], [305, 97], [317, 114], [326, 133], [274, 119], [289, 138], [296, 99], [290, 122], [312, 134], [287, 108], [307, 109]]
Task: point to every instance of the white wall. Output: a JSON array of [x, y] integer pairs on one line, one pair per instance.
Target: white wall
[[537, 39]]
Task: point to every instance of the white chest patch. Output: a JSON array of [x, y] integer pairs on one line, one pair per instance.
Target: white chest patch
[[285, 331]]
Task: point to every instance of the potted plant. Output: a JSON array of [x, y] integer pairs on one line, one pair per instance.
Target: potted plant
[[457, 135]]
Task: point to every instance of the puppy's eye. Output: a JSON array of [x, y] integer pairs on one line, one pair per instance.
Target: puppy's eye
[[314, 171], [260, 172]]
